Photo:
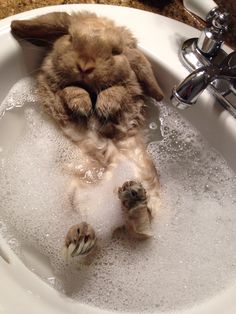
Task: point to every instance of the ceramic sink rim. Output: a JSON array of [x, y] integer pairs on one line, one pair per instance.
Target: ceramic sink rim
[[31, 294]]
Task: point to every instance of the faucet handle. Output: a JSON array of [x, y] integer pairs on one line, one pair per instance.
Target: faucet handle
[[218, 21], [228, 66], [200, 8], [211, 39]]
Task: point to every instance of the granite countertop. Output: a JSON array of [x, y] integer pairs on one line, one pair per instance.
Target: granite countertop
[[171, 8]]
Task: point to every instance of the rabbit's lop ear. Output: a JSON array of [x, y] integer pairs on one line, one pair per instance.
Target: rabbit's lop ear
[[42, 30], [143, 70]]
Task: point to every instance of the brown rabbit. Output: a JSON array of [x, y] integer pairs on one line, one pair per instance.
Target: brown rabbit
[[92, 83]]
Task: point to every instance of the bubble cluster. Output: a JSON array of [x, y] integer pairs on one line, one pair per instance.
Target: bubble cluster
[[190, 258], [21, 93]]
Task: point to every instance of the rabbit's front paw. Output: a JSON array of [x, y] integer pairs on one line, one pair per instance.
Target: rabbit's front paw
[[78, 100], [80, 239], [108, 103]]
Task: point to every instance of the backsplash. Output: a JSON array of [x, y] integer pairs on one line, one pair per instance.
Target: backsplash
[[171, 8]]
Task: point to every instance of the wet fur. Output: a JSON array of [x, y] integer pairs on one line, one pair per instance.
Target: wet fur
[[92, 83]]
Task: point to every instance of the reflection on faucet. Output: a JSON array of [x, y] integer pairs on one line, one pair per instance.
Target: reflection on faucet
[[186, 94]]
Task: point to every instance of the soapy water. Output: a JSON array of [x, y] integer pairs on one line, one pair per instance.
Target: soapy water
[[192, 255]]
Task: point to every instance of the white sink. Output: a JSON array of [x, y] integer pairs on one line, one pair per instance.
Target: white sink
[[160, 38]]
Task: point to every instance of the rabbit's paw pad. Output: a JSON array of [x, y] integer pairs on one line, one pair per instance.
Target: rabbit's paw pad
[[80, 239]]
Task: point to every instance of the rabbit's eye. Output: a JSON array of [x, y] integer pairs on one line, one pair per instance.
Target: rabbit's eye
[[116, 51]]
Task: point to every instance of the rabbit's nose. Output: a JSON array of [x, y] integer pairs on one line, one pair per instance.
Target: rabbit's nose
[[86, 67]]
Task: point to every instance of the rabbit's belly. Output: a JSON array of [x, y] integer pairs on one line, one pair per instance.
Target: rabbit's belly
[[98, 203]]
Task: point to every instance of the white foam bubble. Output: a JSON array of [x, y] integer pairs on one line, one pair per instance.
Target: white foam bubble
[[192, 256], [21, 93]]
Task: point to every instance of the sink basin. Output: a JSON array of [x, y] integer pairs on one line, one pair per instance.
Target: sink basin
[[160, 39]]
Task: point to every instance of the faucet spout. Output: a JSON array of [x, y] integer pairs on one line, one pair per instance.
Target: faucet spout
[[188, 91]]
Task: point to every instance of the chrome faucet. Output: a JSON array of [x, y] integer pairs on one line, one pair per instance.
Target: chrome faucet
[[213, 67]]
